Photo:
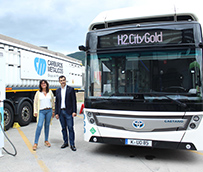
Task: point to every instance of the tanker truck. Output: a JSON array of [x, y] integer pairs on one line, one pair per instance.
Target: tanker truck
[[25, 65]]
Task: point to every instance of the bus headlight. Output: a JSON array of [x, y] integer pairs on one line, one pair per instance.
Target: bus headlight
[[196, 118], [194, 122], [89, 114], [91, 120], [192, 126], [90, 117]]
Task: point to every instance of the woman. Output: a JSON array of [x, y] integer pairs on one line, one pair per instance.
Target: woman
[[44, 108]]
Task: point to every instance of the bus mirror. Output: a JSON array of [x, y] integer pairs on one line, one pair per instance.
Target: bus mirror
[[82, 48], [200, 45]]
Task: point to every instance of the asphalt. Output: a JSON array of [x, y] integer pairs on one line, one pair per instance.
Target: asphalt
[[44, 159]]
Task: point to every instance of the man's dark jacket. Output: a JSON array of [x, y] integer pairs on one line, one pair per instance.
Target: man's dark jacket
[[70, 101]]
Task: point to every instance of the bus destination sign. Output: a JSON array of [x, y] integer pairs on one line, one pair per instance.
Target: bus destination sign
[[126, 39], [145, 37]]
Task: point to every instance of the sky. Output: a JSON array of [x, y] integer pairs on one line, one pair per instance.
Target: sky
[[61, 25]]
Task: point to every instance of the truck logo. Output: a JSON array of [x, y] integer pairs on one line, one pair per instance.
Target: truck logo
[[138, 124], [40, 66]]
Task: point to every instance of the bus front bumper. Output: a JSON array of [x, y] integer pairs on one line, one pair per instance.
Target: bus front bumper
[[144, 143]]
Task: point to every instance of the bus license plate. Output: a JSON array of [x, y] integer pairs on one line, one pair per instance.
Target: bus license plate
[[135, 142]]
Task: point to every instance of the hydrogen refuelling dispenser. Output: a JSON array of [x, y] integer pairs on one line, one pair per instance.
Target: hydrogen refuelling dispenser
[[2, 97]]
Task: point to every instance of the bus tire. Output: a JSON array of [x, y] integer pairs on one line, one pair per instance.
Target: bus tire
[[8, 116], [24, 113]]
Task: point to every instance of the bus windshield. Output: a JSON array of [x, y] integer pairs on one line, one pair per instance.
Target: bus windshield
[[141, 72]]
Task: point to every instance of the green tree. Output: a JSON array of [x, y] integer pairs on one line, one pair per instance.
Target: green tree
[[78, 55]]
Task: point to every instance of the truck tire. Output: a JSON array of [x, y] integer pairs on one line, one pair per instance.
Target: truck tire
[[8, 116], [25, 113]]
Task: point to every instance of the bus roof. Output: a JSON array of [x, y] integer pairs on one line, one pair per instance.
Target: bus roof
[[137, 15]]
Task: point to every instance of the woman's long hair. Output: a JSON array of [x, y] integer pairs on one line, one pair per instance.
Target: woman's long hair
[[40, 87]]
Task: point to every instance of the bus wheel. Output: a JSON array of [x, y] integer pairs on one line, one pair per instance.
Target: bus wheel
[[25, 113], [8, 116]]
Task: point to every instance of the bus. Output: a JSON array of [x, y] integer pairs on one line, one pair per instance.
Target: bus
[[144, 79]]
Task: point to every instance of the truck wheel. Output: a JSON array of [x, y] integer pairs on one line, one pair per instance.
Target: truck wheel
[[8, 116], [25, 113]]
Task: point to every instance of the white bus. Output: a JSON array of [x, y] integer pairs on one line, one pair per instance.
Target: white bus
[[144, 80]]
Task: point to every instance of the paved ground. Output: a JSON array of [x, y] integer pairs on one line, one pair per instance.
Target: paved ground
[[90, 157]]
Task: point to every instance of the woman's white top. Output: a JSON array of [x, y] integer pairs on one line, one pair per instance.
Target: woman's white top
[[45, 101]]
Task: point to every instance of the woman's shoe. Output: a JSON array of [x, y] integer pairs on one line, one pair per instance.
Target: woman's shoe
[[46, 143], [34, 147]]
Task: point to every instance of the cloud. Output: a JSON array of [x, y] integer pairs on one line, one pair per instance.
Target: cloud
[[59, 24]]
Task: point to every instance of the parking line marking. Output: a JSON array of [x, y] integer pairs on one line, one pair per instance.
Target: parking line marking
[[29, 145], [80, 116], [200, 153]]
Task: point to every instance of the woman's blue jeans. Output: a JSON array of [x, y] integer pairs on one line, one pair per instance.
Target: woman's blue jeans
[[44, 117]]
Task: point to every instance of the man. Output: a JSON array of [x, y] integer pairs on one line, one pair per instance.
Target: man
[[66, 110]]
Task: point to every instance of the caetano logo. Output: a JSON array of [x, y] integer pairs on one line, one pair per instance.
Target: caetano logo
[[40, 66]]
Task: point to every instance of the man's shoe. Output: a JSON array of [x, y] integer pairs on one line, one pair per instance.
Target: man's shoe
[[73, 148], [64, 145]]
